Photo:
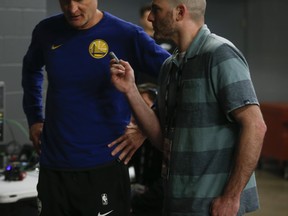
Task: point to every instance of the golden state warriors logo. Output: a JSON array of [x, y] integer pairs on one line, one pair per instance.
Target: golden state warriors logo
[[98, 48]]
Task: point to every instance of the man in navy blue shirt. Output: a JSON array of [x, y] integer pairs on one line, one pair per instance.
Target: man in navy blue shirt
[[83, 112]]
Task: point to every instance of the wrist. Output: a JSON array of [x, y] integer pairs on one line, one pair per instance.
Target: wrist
[[132, 91], [234, 195]]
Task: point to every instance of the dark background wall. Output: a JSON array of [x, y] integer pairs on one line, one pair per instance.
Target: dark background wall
[[17, 19], [258, 28]]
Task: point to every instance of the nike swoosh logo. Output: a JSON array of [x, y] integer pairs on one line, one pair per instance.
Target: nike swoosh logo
[[99, 214], [53, 47]]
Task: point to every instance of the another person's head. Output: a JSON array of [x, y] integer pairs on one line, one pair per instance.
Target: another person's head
[[147, 25], [80, 14], [148, 92], [168, 17]]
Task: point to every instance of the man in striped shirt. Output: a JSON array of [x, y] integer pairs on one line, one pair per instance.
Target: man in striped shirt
[[210, 122]]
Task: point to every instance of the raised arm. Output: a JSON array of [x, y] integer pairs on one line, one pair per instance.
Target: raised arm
[[122, 76]]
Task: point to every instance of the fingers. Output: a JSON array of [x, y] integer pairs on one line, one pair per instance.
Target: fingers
[[119, 140], [126, 152], [121, 144], [127, 145], [127, 155], [119, 148], [35, 136], [126, 65], [113, 61], [121, 66], [37, 145], [117, 70]]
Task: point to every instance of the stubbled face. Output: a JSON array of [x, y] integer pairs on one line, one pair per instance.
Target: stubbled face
[[162, 20], [80, 14]]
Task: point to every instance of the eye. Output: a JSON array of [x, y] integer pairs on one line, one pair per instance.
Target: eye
[[154, 9]]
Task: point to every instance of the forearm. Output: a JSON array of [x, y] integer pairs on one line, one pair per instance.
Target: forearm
[[145, 116], [246, 158], [32, 80], [122, 76]]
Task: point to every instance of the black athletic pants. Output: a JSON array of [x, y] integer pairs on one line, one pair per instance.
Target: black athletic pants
[[101, 191]]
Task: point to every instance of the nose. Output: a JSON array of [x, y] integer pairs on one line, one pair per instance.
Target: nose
[[72, 7], [150, 17]]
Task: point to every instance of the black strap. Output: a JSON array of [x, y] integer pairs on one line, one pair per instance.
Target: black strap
[[172, 96]]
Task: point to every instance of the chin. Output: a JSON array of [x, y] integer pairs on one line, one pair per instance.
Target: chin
[[156, 36], [76, 25]]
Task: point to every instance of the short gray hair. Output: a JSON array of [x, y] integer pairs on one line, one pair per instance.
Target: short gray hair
[[197, 8]]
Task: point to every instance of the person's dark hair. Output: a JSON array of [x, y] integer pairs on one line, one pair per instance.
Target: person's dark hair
[[149, 88]]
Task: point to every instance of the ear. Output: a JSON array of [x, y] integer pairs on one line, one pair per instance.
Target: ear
[[181, 10]]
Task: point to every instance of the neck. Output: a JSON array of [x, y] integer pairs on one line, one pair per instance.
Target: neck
[[187, 35], [98, 16]]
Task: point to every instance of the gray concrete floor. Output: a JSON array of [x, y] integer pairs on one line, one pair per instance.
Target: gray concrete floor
[[273, 192]]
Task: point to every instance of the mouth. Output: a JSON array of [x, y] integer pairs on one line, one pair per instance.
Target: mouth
[[155, 29], [74, 17]]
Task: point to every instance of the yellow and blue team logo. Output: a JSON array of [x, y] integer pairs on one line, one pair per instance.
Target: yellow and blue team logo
[[98, 48]]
